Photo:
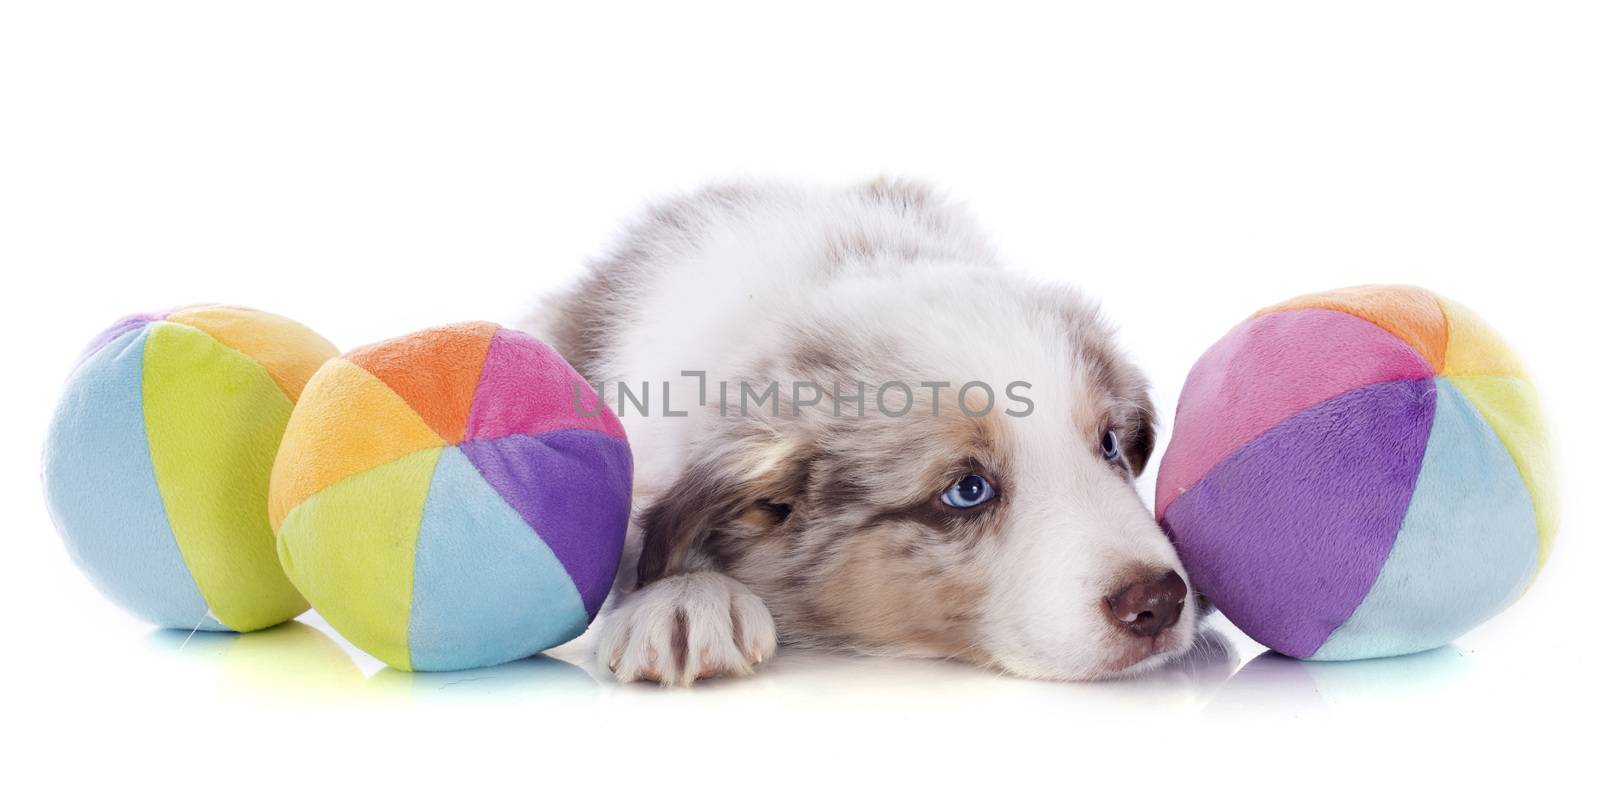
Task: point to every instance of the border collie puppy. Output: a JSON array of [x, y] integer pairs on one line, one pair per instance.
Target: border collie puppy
[[853, 429]]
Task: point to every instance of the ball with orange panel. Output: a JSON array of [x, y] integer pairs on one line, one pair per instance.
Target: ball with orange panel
[[453, 498], [158, 458], [1358, 473]]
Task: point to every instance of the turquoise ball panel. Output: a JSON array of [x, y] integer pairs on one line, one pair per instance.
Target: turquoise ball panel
[[486, 589], [1466, 549], [100, 486]]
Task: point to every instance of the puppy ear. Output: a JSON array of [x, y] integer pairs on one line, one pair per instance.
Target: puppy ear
[[1142, 434], [1108, 369], [720, 488]]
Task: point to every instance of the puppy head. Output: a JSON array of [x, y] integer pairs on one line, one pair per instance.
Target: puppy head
[[995, 523]]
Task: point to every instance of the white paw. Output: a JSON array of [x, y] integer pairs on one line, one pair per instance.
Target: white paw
[[687, 627]]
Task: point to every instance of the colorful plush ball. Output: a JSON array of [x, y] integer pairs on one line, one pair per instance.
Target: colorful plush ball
[[1359, 473], [452, 499], [158, 458]]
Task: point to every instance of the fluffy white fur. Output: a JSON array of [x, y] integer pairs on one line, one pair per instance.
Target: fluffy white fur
[[888, 282]]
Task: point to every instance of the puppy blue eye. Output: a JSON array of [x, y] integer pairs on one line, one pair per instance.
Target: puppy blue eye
[[1111, 446], [969, 492]]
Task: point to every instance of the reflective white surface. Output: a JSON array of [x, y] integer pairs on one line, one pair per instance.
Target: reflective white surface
[[272, 702], [372, 169]]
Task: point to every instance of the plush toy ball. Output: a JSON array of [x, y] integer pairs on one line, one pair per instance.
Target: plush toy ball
[[158, 458], [454, 498], [1359, 473]]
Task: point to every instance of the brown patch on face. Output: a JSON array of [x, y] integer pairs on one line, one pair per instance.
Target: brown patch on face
[[865, 557], [886, 591]]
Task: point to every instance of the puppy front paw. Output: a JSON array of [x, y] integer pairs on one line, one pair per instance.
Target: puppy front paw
[[687, 627]]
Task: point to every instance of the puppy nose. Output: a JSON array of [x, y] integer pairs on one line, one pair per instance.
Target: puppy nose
[[1146, 607]]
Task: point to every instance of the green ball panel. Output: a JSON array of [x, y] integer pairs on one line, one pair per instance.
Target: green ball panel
[[351, 549], [214, 418]]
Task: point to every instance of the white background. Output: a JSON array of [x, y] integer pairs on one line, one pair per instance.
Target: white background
[[374, 169]]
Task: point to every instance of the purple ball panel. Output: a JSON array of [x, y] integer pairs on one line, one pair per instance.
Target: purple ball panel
[[1287, 534], [572, 487]]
